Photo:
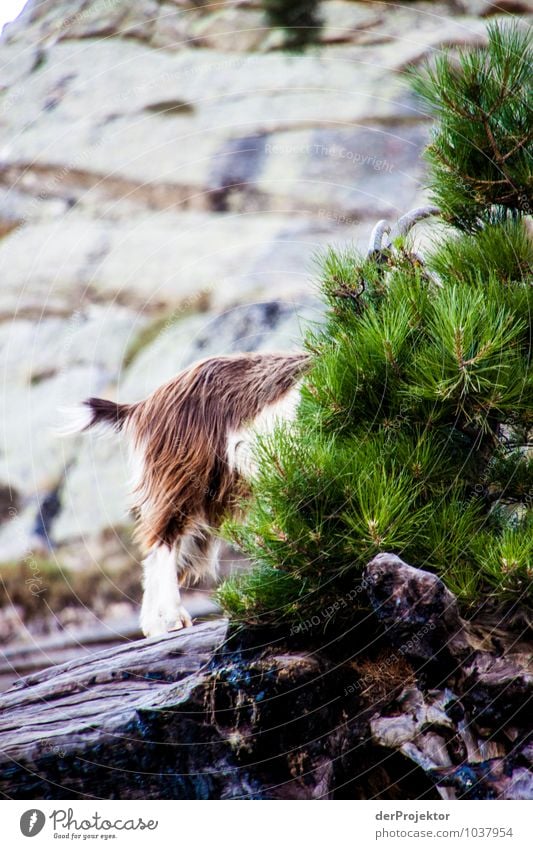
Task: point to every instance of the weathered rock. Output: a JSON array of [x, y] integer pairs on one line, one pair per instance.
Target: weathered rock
[[485, 8], [204, 714], [156, 697], [37, 457], [233, 29], [62, 359], [482, 679], [345, 169], [500, 778], [193, 687], [51, 364], [96, 336], [419, 614], [343, 21], [149, 262]]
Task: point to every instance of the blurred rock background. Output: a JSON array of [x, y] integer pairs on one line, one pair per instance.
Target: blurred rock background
[[168, 171]]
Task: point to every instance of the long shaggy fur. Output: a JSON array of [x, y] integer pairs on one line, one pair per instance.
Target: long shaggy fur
[[182, 433], [190, 443]]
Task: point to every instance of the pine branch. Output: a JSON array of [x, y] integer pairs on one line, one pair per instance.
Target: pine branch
[[421, 381], [483, 140]]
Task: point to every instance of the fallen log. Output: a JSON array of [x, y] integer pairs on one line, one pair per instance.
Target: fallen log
[[413, 702], [32, 655]]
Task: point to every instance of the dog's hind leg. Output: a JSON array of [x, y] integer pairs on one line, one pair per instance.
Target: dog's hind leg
[[197, 554], [162, 609]]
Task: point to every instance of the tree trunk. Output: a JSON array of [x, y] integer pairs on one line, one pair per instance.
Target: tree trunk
[[412, 703]]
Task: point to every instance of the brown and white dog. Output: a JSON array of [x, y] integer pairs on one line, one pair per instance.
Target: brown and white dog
[[192, 451]]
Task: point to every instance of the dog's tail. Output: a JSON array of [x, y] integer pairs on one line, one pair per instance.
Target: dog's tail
[[93, 412]]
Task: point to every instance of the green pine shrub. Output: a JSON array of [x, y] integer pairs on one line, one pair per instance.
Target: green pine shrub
[[480, 154], [413, 434]]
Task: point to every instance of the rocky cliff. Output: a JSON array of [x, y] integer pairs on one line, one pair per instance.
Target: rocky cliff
[[167, 172]]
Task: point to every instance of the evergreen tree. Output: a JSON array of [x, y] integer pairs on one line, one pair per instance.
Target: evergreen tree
[[413, 432], [480, 154]]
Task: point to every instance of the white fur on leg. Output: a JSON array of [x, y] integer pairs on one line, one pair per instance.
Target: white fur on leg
[[197, 554], [162, 609], [240, 446]]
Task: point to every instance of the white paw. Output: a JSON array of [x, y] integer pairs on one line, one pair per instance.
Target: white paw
[[182, 620], [155, 622]]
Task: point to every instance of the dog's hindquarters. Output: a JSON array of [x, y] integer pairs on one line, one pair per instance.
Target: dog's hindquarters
[[191, 450], [194, 435]]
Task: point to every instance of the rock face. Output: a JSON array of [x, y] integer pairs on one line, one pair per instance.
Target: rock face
[[167, 173], [243, 713]]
